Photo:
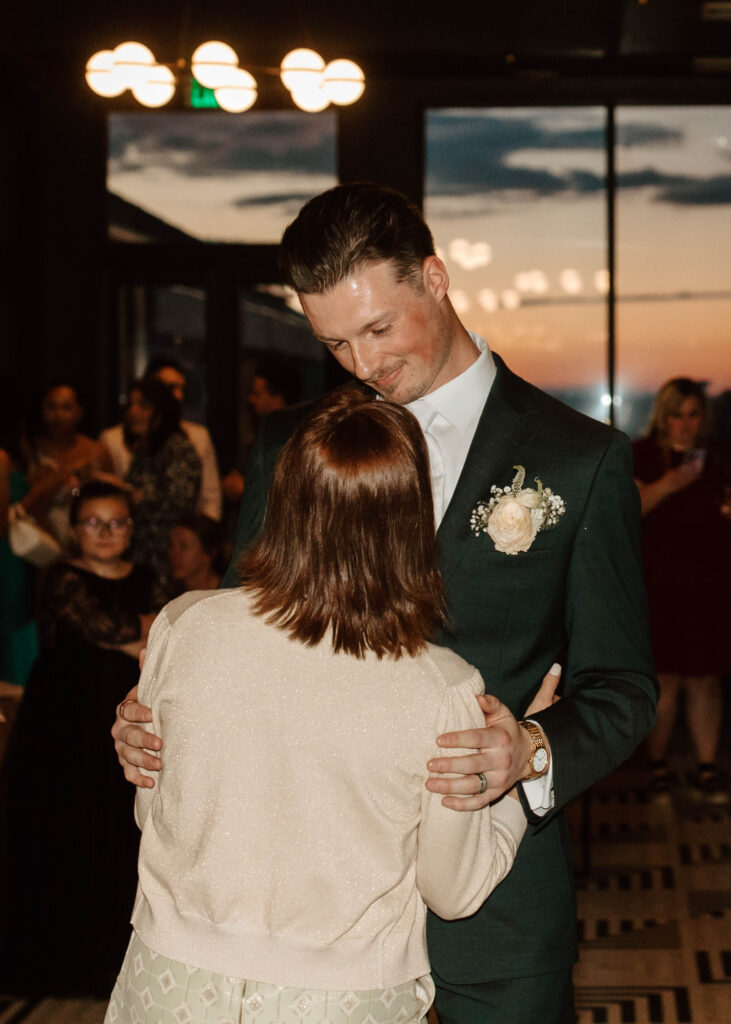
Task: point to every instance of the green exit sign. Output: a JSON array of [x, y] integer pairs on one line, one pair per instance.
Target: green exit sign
[[202, 98]]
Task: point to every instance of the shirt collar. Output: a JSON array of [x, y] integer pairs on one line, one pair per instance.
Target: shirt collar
[[461, 400]]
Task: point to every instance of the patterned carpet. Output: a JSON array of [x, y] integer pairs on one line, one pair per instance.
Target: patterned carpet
[[654, 908], [654, 913]]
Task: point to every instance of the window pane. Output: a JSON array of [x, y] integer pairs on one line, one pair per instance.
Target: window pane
[[163, 320], [516, 201], [673, 252], [170, 321], [213, 176]]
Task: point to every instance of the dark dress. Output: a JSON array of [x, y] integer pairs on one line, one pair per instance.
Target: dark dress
[[166, 485], [73, 840], [686, 550]]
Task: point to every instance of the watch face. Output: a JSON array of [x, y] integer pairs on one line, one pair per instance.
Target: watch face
[[540, 760]]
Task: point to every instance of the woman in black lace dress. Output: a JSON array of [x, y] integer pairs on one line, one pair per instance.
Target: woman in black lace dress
[[73, 839]]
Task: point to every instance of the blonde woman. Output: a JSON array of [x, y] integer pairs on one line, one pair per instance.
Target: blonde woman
[[683, 477]]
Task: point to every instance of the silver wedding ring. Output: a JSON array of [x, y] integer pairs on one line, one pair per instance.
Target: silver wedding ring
[[483, 782]]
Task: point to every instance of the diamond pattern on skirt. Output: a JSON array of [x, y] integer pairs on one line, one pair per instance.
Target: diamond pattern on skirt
[[152, 989]]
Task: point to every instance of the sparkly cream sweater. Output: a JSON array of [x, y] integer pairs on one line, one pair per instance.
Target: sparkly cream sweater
[[289, 838]]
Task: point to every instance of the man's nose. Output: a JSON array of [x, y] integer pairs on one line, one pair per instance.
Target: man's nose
[[362, 361]]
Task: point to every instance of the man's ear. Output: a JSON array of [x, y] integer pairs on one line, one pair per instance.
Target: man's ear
[[435, 277]]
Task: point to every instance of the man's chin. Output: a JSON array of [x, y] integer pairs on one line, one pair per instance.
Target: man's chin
[[394, 395], [400, 392]]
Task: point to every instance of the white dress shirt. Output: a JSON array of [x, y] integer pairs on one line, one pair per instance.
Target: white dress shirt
[[449, 417]]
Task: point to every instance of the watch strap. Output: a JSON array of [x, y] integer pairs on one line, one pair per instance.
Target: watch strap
[[538, 742]]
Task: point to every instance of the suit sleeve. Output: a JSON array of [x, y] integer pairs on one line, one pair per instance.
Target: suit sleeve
[[610, 688]]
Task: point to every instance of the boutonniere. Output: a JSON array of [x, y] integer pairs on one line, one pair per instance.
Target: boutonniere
[[515, 514]]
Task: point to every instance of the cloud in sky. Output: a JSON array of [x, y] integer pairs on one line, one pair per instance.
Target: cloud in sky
[[206, 144], [274, 199], [699, 191], [478, 156]]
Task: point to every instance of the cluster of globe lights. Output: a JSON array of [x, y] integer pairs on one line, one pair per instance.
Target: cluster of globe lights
[[312, 83]]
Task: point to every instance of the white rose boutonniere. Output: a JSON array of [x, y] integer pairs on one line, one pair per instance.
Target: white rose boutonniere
[[515, 514]]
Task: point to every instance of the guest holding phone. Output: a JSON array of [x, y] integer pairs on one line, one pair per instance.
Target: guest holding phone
[[682, 475]]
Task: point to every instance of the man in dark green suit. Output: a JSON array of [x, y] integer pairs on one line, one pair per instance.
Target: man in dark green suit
[[521, 595]]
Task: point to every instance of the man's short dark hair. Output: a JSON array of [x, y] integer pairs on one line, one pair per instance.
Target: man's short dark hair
[[339, 231], [282, 377]]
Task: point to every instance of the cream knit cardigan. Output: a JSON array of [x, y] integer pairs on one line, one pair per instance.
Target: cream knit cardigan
[[289, 838]]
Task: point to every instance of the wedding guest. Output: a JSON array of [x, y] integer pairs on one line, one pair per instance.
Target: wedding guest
[[195, 552], [73, 845], [276, 384], [164, 473], [18, 638], [60, 459], [289, 849], [683, 475], [174, 377]]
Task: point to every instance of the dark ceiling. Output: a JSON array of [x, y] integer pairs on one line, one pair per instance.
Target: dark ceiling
[[392, 39]]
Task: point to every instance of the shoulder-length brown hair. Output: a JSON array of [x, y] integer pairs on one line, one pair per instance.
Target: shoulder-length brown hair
[[348, 541]]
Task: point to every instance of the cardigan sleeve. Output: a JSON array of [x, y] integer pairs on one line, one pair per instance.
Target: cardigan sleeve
[[461, 857], [157, 644]]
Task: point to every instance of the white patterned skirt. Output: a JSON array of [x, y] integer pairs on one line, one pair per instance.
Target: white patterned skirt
[[151, 989]]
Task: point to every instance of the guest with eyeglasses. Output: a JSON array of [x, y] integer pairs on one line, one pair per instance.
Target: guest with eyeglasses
[[73, 841]]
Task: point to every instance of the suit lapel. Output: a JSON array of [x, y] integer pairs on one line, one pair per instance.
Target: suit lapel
[[501, 439]]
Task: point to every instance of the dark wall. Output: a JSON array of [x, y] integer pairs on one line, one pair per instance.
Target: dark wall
[[52, 217]]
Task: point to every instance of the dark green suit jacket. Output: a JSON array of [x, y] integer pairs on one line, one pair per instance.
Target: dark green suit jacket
[[577, 597]]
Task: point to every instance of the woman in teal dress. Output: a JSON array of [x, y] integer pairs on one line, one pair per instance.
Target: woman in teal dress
[[18, 641]]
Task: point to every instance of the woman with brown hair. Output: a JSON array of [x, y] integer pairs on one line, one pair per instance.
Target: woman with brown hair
[[684, 477], [290, 846], [164, 475]]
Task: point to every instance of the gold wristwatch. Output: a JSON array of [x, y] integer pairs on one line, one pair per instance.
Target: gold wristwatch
[[539, 758]]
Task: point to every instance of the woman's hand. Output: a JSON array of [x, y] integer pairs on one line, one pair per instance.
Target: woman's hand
[[674, 480], [683, 476], [546, 695]]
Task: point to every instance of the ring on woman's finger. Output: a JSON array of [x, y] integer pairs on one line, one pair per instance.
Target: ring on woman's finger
[[483, 782], [120, 709]]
